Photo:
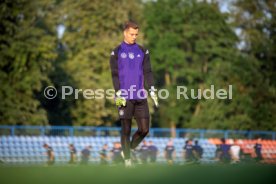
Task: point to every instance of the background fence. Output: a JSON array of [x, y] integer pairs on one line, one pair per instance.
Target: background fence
[[115, 131]]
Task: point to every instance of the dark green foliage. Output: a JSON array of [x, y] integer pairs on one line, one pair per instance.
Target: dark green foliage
[[191, 43], [27, 51]]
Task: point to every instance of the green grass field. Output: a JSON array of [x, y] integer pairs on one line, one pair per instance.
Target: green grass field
[[161, 174]]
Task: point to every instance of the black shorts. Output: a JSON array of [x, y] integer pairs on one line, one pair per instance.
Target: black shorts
[[136, 108]]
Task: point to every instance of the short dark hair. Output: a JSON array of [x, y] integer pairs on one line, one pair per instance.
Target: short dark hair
[[131, 24]]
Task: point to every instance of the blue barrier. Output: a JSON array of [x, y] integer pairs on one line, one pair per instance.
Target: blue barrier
[[115, 131]]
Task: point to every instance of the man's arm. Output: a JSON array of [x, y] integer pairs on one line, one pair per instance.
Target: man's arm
[[148, 75], [114, 70], [147, 70]]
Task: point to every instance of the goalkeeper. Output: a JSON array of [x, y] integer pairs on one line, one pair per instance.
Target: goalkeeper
[[130, 68]]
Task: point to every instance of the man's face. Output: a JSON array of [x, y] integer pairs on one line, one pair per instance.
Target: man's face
[[130, 35]]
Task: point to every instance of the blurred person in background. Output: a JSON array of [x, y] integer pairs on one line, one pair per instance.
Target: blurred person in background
[[116, 153], [85, 155], [189, 151], [235, 151], [144, 152], [223, 152], [258, 150], [197, 151], [73, 154], [153, 151], [169, 152], [50, 153], [104, 155]]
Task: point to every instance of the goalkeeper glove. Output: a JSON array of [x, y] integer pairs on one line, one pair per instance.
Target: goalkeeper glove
[[154, 96], [120, 101]]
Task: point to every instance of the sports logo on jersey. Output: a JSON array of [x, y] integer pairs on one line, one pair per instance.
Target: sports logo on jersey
[[121, 112], [112, 53], [123, 55], [131, 55], [147, 52]]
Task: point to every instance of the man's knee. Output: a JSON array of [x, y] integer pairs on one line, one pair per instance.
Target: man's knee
[[143, 131]]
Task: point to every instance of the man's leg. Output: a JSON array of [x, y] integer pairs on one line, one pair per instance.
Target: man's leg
[[125, 137], [143, 129]]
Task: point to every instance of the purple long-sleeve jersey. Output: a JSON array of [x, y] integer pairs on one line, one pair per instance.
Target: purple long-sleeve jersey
[[130, 67]]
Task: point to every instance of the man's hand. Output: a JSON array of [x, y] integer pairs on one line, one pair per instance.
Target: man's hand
[[154, 96], [120, 101]]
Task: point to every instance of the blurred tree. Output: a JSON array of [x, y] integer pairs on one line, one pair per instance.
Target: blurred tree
[[28, 45], [256, 22], [193, 45], [213, 59], [164, 20]]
